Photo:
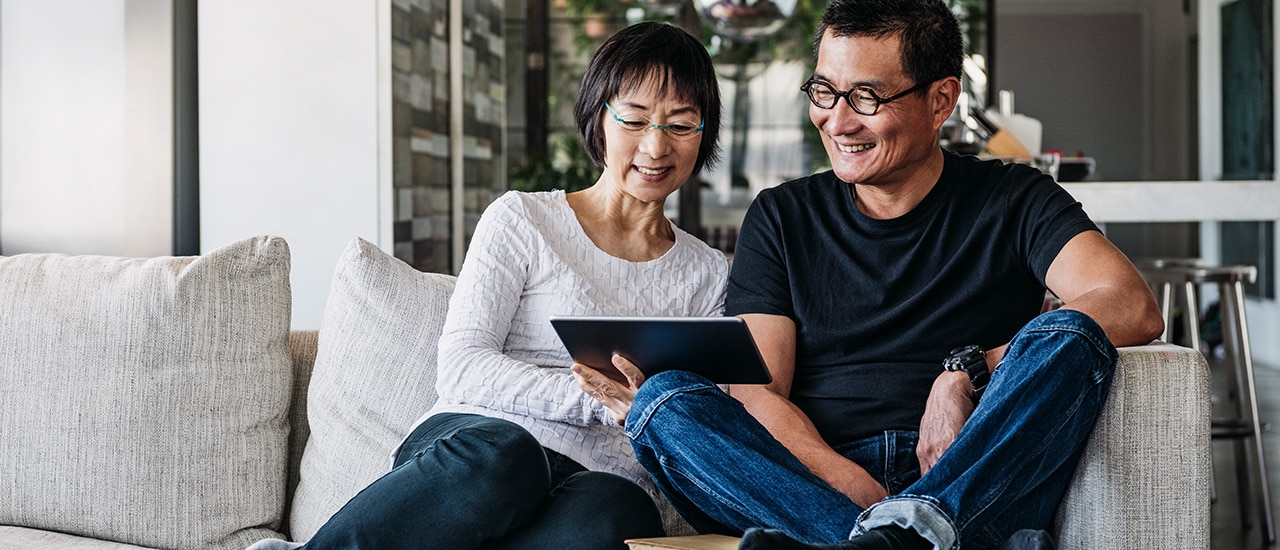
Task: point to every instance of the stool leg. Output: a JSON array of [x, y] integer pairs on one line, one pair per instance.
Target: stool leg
[[1237, 393], [1249, 401], [1166, 310], [1192, 316]]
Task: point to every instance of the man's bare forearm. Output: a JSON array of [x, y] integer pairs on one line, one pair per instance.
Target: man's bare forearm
[[789, 425]]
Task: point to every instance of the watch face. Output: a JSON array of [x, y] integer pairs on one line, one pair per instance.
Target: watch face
[[965, 358]]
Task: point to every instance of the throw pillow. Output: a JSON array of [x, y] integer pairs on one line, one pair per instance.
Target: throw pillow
[[374, 376], [144, 401]]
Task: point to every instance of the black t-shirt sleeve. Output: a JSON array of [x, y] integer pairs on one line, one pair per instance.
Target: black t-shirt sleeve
[[1049, 217], [759, 281]]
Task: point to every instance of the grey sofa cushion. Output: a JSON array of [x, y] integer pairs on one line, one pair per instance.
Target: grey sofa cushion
[[374, 375], [144, 401], [21, 538], [1143, 480]]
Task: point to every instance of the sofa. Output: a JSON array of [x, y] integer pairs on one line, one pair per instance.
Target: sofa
[[166, 403]]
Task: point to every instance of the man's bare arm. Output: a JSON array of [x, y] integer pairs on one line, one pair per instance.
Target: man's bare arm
[[1092, 276], [775, 336]]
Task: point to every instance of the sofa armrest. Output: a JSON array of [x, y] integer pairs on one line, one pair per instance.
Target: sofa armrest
[[302, 347], [1143, 480]]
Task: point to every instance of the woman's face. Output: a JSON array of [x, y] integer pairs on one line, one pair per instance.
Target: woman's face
[[644, 162]]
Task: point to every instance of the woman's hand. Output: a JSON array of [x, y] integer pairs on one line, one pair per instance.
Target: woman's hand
[[949, 406], [615, 396]]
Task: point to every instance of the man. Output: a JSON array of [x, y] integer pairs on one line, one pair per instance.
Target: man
[[858, 284]]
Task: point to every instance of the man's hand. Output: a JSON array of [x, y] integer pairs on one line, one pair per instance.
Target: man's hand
[[863, 489], [949, 406], [613, 395]]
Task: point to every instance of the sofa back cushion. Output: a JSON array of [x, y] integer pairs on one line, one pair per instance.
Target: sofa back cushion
[[144, 401], [374, 375]]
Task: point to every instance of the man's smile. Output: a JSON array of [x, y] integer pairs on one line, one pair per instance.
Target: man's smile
[[857, 148]]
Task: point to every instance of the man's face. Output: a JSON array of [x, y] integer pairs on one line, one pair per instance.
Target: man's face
[[886, 148]]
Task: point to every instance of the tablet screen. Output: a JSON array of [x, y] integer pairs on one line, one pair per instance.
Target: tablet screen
[[719, 348]]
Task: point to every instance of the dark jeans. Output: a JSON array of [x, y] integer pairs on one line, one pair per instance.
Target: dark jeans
[[1006, 471], [466, 481]]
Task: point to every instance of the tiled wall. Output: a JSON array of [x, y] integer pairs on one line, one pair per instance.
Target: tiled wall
[[422, 159]]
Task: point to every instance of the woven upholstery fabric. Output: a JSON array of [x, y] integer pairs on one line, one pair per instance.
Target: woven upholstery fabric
[[374, 375], [21, 538], [1143, 481], [144, 401]]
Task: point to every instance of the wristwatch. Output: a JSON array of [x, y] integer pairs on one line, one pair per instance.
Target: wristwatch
[[973, 360]]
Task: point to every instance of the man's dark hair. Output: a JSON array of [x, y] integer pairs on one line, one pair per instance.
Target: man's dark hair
[[643, 51], [932, 46]]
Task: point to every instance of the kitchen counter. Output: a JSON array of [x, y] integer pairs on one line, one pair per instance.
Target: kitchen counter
[[1178, 201]]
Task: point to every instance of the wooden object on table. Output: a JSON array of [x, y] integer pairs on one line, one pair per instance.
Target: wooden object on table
[[695, 542], [1003, 144], [1000, 142]]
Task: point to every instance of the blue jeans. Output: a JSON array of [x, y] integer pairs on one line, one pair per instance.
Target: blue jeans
[[467, 481], [1006, 471]]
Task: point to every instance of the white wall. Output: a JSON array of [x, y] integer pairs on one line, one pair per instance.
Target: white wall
[[86, 131], [1109, 77], [289, 131]]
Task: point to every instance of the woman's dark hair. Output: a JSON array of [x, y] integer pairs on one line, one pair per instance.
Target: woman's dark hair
[[642, 51], [932, 46]]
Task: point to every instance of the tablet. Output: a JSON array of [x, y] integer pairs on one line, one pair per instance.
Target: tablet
[[719, 348]]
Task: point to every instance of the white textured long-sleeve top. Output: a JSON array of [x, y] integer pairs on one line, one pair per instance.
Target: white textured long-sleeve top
[[499, 356]]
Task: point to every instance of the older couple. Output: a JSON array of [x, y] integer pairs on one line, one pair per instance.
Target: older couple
[[920, 399]]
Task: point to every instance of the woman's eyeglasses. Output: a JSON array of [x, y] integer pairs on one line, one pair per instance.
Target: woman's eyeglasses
[[863, 100], [678, 130]]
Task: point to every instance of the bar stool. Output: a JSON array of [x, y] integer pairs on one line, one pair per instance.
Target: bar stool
[[1245, 425], [1166, 292]]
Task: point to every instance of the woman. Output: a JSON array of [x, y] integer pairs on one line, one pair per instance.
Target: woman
[[514, 454]]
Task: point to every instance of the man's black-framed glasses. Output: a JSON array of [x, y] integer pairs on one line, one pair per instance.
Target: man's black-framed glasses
[[862, 99]]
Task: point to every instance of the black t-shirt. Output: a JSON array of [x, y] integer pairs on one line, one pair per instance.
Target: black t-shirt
[[879, 303]]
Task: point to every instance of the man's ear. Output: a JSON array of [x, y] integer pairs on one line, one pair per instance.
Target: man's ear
[[943, 96]]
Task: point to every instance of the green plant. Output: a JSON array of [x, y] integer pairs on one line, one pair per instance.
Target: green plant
[[566, 166], [596, 7], [973, 16]]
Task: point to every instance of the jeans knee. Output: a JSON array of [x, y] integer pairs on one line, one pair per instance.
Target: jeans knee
[[1061, 341], [670, 381], [492, 455], [503, 445], [1062, 327], [660, 388], [618, 494], [619, 509], [1068, 321]]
